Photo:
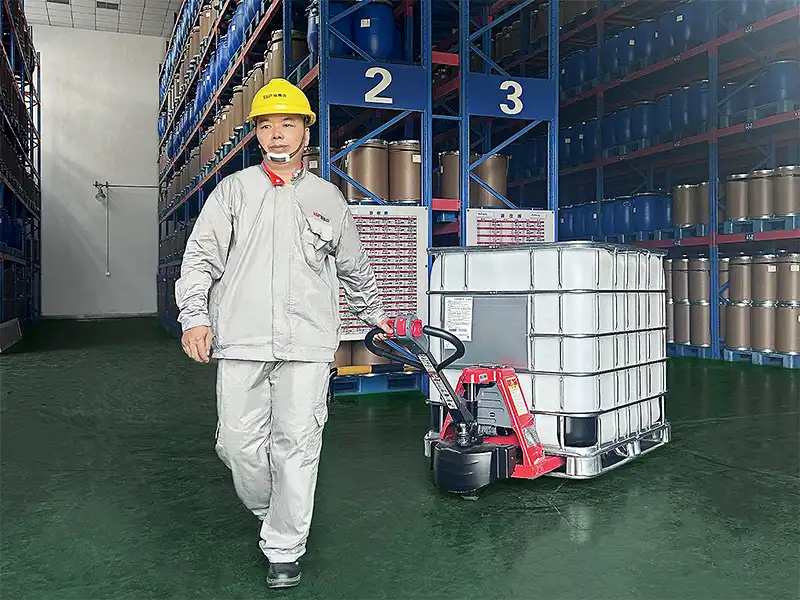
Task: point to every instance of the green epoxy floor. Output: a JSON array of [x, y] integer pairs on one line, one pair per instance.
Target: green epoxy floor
[[111, 489]]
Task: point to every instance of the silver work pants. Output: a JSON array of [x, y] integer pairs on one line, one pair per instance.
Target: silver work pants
[[271, 416]]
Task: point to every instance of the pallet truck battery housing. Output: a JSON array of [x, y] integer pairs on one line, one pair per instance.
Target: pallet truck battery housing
[[489, 433]]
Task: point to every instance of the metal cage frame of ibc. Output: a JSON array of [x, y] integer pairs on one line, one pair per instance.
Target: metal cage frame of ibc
[[20, 267], [709, 236]]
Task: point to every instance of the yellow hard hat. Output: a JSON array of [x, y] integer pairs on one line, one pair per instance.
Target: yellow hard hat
[[280, 97]]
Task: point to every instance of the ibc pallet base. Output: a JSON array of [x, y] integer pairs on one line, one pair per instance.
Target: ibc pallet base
[[771, 359], [601, 462], [611, 457]]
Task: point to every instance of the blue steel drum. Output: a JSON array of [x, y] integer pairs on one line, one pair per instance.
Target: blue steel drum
[[580, 60], [607, 217], [622, 126], [591, 64], [373, 28], [749, 96], [565, 146], [680, 108], [728, 104], [608, 55], [691, 24], [666, 39], [398, 49], [312, 30], [646, 36], [253, 8], [588, 139], [566, 76], [626, 46], [743, 12], [780, 82], [578, 229], [649, 212], [644, 116], [591, 225], [607, 131], [664, 114], [697, 99], [541, 152], [236, 28], [576, 143], [566, 216], [343, 26], [623, 215]]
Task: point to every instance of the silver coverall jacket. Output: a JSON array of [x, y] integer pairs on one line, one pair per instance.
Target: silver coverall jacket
[[262, 268]]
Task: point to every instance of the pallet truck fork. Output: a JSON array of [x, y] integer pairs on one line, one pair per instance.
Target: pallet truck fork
[[488, 433]]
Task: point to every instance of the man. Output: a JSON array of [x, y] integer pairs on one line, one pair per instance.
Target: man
[[260, 284]]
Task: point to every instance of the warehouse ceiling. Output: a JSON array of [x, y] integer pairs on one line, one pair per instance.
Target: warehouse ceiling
[[143, 17]]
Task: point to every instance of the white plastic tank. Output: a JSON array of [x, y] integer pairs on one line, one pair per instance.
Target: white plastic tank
[[584, 325]]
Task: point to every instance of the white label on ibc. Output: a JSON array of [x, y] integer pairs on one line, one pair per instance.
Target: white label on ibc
[[794, 268], [458, 317], [365, 22], [771, 268], [312, 164], [416, 158]]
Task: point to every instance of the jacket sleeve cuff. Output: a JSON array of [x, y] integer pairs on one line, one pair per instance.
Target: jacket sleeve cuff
[[373, 317], [195, 321]]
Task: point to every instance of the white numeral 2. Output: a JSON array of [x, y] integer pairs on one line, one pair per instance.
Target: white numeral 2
[[386, 79]]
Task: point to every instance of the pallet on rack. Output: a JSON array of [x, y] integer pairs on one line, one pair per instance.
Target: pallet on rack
[[759, 112], [580, 89], [671, 233], [383, 383], [773, 359], [755, 225], [628, 148], [685, 350]]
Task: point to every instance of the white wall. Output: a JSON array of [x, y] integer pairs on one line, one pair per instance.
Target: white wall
[[99, 112]]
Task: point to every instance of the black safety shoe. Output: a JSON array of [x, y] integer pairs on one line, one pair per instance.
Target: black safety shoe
[[281, 575]]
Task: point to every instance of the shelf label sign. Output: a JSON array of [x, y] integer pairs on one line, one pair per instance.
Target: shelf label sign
[[371, 85], [515, 97]]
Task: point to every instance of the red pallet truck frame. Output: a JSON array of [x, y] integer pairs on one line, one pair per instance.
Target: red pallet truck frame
[[469, 456]]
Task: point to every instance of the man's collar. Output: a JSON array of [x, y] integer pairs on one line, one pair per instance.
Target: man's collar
[[277, 179]]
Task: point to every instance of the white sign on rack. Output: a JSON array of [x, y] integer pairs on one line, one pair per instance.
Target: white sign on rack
[[396, 240], [458, 317], [500, 226]]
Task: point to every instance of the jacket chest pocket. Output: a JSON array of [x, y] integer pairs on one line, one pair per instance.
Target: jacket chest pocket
[[317, 242]]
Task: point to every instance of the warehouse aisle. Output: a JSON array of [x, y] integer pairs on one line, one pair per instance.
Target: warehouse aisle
[[111, 489]]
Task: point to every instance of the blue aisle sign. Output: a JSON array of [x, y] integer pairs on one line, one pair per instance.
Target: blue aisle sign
[[512, 97], [381, 85]]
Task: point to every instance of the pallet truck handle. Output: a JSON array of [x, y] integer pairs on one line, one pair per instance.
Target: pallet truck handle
[[369, 342], [447, 337]]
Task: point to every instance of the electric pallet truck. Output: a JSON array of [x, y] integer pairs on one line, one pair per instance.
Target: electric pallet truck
[[488, 433]]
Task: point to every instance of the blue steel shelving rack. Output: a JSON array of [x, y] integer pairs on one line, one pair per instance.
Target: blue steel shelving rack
[[713, 239], [346, 91], [20, 184]]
